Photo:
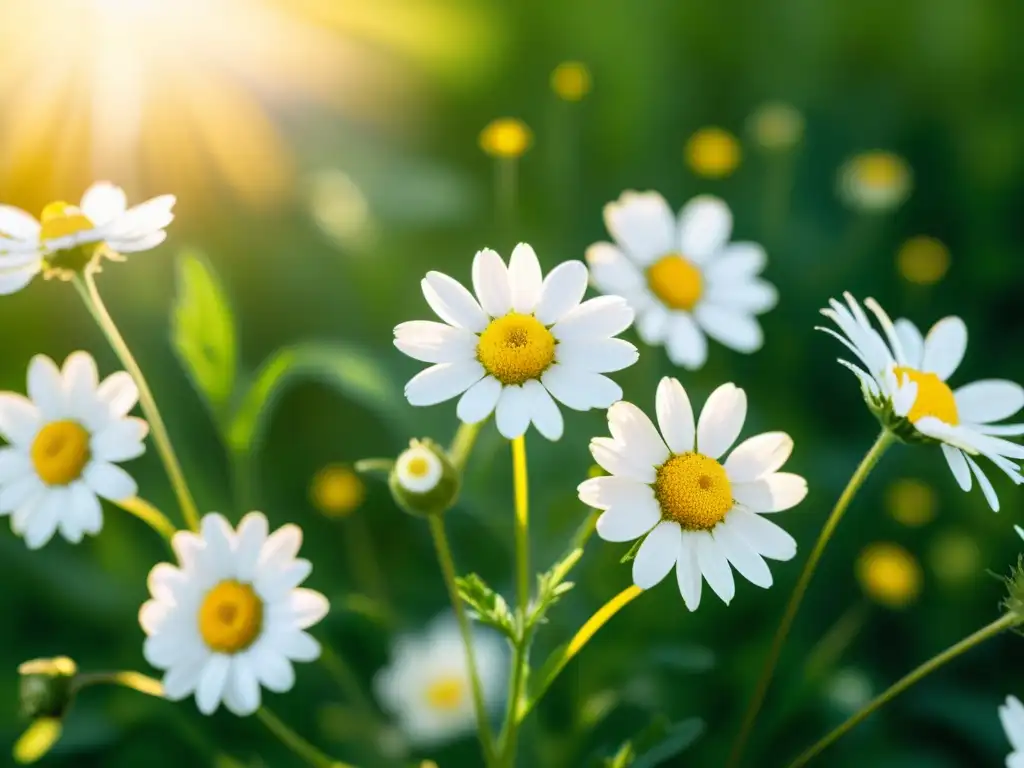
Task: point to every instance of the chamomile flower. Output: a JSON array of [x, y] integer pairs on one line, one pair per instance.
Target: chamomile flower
[[527, 342], [65, 441], [66, 237], [697, 514], [682, 276], [903, 379], [230, 616], [427, 684], [1011, 715]]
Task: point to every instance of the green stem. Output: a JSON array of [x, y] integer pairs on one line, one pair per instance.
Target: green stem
[[884, 440], [90, 295], [993, 629], [462, 444], [243, 479], [125, 678], [296, 743], [150, 515], [447, 563]]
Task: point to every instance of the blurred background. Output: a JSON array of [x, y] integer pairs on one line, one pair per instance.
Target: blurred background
[[325, 155]]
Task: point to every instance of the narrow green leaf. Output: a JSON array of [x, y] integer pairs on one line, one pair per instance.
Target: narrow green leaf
[[354, 372], [679, 738], [489, 607], [203, 330], [632, 551]]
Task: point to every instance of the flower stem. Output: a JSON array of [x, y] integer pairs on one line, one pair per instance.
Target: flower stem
[[884, 440], [462, 444], [296, 743], [444, 558], [90, 295], [126, 678], [150, 515], [991, 630]]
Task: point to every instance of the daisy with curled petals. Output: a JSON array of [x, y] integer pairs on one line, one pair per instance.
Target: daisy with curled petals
[[682, 276], [527, 342], [68, 237], [230, 617], [1011, 715], [65, 441], [904, 377], [697, 513]]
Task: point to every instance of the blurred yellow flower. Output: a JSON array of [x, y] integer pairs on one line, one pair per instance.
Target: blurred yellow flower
[[506, 137], [337, 491], [889, 574], [875, 181], [954, 557], [776, 126], [713, 153], [571, 80], [923, 260], [911, 502]]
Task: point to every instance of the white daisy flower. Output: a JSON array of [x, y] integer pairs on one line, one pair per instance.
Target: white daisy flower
[[527, 339], [68, 236], [682, 276], [700, 515], [1011, 715], [230, 617], [64, 445], [418, 469], [904, 383], [427, 685]]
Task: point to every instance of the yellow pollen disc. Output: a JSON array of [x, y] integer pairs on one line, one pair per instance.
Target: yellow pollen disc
[[676, 281], [516, 348], [337, 490], [230, 617], [446, 693], [61, 220], [693, 490], [889, 574], [934, 397], [418, 467], [60, 452]]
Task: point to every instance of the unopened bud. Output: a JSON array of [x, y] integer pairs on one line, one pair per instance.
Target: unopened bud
[[423, 480]]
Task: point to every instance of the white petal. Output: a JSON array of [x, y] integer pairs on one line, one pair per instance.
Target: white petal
[[625, 523], [14, 464], [738, 262], [211, 684], [758, 456], [944, 347], [120, 440], [985, 401], [675, 416], [110, 481], [81, 381], [119, 392], [249, 541], [19, 418], [524, 279], [242, 691], [775, 493], [735, 329], [652, 324], [300, 646], [611, 271], [891, 335], [741, 555], [616, 460], [46, 387], [137, 244], [490, 282], [958, 466], [478, 402], [657, 554], [631, 428], [721, 420], [597, 355], [281, 548], [19, 492], [1011, 714], [18, 224], [561, 291], [43, 523], [306, 607], [715, 567], [103, 202], [686, 344], [275, 671], [749, 297], [762, 535], [432, 342], [87, 507], [14, 279], [184, 677], [513, 413], [642, 224], [599, 317], [443, 382], [452, 302], [911, 341], [273, 585], [688, 573], [580, 390], [705, 224], [985, 484], [546, 416], [606, 492]]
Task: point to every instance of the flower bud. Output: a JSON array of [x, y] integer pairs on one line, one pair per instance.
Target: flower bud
[[423, 480], [47, 687]]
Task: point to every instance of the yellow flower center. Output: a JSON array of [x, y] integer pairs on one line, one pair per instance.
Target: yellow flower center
[[230, 617], [418, 466], [506, 137], [934, 397], [713, 152], [693, 490], [60, 452], [889, 575], [60, 220], [446, 693], [676, 281], [337, 491], [516, 348], [880, 170]]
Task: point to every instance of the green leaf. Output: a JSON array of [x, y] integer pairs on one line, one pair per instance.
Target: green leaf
[[203, 330], [551, 585], [488, 606], [351, 370], [632, 551], [677, 739]]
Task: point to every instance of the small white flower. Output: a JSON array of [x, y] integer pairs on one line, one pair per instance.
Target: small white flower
[[418, 469], [427, 685], [28, 246], [875, 181], [527, 339], [699, 516], [904, 379], [682, 276], [64, 443], [230, 617], [1011, 715]]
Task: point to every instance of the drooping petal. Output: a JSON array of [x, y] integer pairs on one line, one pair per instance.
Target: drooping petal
[[958, 466]]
